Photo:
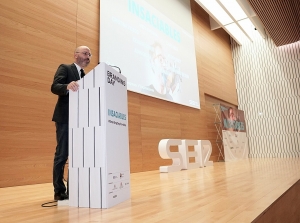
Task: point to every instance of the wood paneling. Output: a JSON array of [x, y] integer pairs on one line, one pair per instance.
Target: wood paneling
[[214, 63], [88, 28], [37, 36]]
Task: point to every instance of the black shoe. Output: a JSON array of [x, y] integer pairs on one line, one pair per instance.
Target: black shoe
[[61, 196]]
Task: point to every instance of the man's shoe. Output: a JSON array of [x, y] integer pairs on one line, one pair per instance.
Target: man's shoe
[[60, 196]]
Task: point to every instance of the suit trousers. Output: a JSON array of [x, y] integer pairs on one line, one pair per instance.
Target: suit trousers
[[60, 157]]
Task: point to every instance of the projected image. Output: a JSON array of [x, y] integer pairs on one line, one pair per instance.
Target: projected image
[[155, 53], [165, 79]]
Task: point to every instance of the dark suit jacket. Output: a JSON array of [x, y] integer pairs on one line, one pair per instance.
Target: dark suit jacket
[[63, 76]]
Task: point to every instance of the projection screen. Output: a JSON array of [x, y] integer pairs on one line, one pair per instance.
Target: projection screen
[[152, 43]]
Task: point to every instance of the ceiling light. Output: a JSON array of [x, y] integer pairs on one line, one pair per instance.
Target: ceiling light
[[235, 32], [230, 16], [234, 9], [216, 10], [248, 27]]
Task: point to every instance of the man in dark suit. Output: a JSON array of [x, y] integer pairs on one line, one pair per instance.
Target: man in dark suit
[[65, 79]]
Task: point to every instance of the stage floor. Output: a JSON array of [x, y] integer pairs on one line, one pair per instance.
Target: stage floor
[[236, 191]]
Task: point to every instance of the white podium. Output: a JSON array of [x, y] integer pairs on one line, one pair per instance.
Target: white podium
[[99, 170]]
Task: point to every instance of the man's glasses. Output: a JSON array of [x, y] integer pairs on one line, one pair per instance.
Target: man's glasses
[[86, 53]]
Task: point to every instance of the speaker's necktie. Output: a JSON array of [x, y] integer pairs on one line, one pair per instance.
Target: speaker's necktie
[[82, 73]]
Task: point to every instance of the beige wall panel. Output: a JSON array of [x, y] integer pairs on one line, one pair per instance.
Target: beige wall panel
[[34, 16], [88, 28], [135, 138], [214, 59], [34, 40], [211, 83], [159, 120], [193, 123]]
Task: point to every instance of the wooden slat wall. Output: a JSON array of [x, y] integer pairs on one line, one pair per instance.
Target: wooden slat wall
[[281, 19], [36, 36]]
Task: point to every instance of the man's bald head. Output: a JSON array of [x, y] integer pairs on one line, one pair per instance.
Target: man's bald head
[[82, 55]]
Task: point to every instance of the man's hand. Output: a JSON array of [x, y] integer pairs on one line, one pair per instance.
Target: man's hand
[[73, 86]]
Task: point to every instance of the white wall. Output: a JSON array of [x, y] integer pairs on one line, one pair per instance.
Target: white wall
[[268, 88]]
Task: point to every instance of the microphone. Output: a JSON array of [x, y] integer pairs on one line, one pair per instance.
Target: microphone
[[117, 68]]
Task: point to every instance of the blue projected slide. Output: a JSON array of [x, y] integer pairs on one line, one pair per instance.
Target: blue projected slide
[[153, 47]]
